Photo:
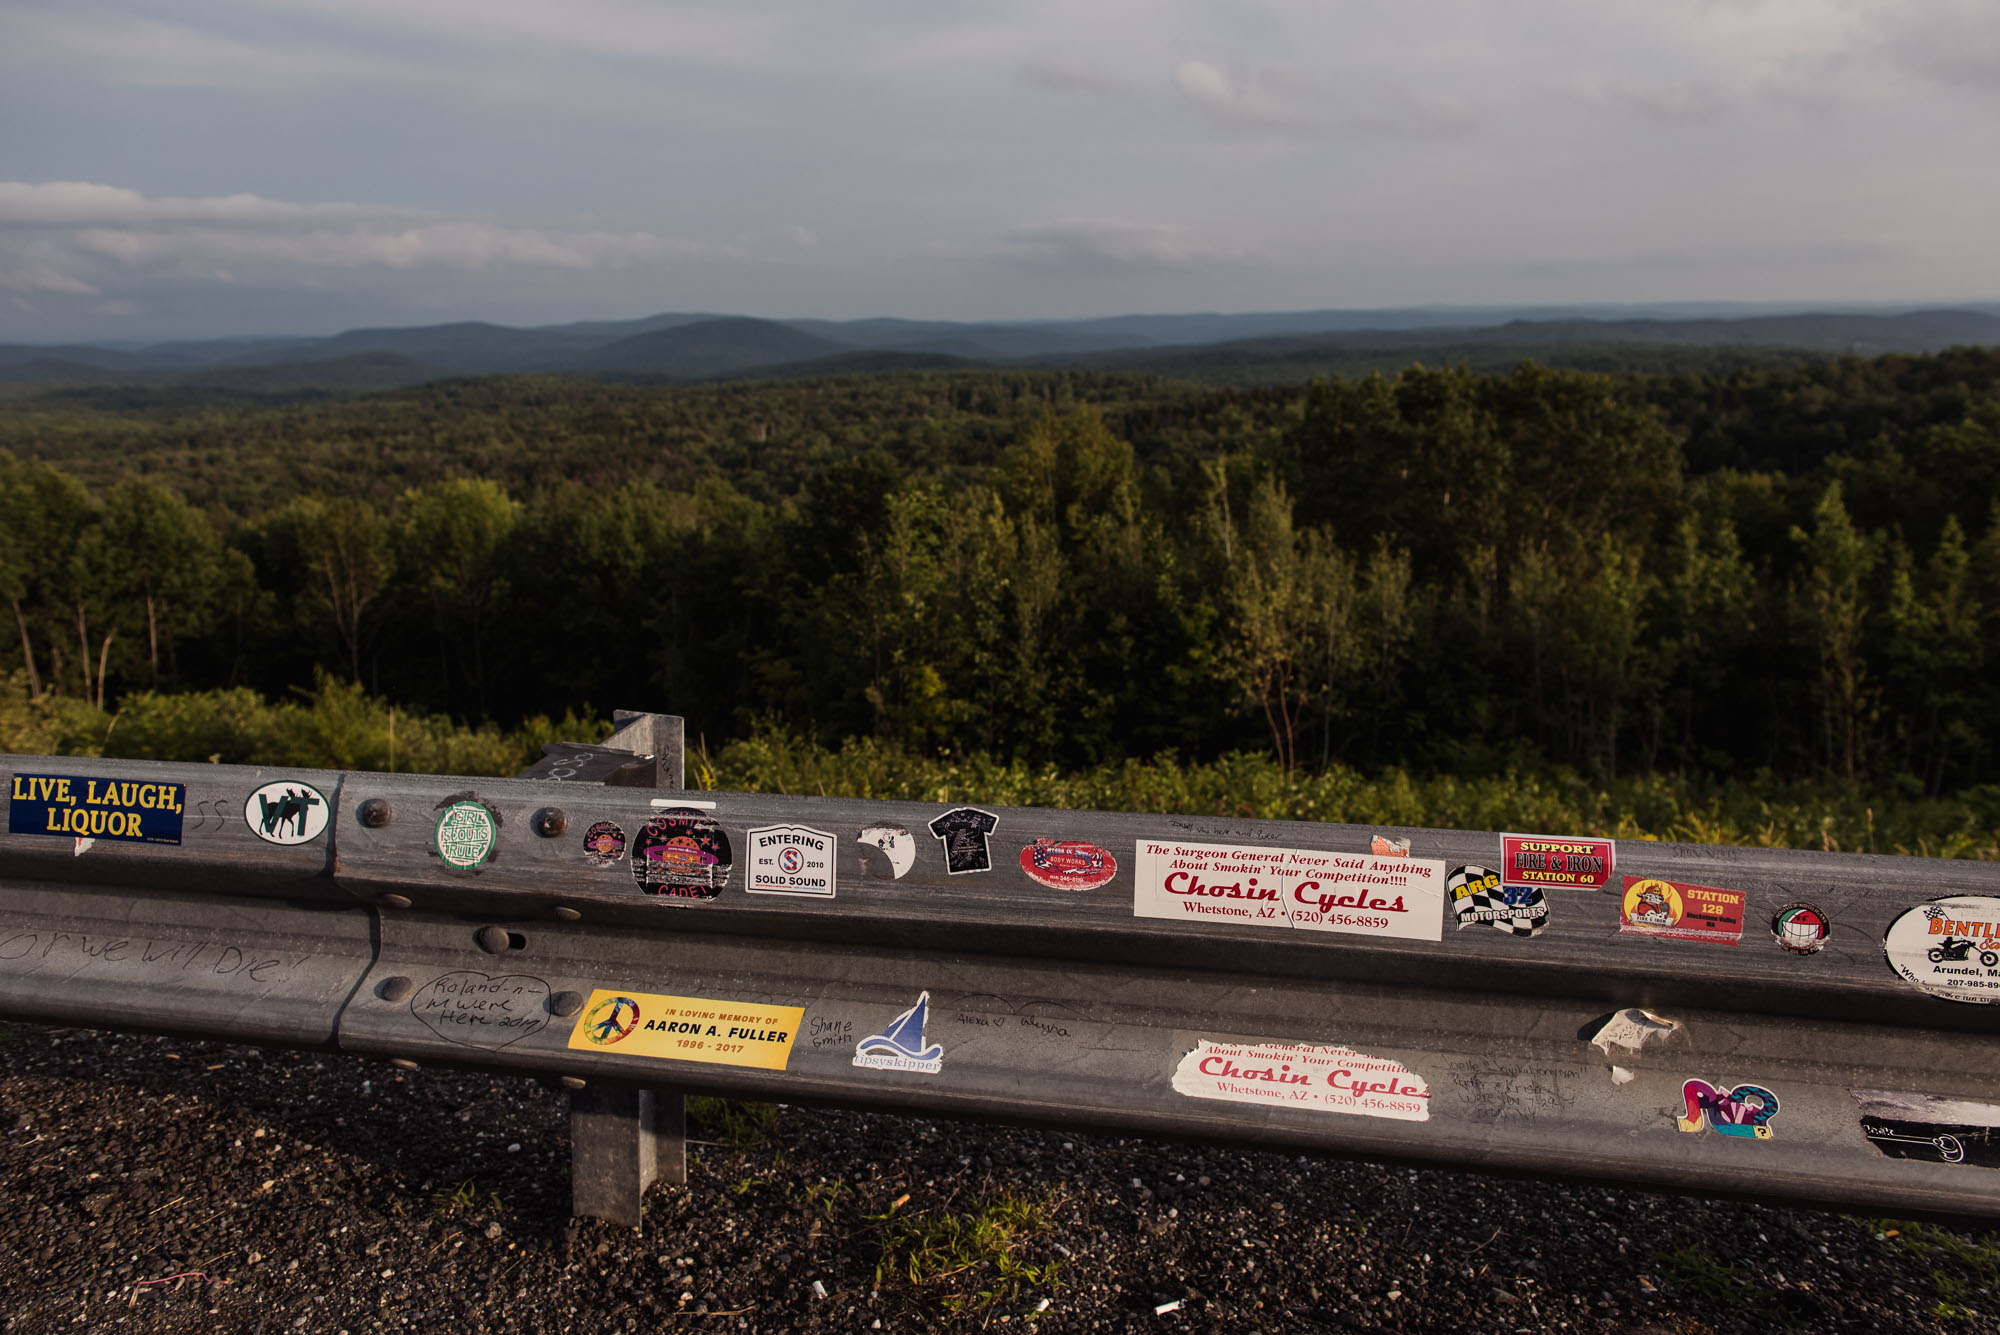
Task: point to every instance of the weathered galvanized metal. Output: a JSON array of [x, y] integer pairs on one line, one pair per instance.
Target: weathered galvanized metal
[[991, 994]]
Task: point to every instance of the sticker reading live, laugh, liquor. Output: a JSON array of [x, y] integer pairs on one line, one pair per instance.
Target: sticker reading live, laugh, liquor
[[1300, 888], [1068, 864], [76, 807], [964, 831], [1653, 907], [681, 854], [1567, 864], [789, 860], [1949, 947], [1304, 1076]]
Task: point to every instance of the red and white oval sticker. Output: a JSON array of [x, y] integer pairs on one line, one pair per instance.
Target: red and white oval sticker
[[1068, 864]]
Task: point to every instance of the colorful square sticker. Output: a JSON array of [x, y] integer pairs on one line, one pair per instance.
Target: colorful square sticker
[[1561, 862], [1653, 907]]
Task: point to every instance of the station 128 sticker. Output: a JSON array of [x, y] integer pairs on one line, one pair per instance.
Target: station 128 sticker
[[1949, 948]]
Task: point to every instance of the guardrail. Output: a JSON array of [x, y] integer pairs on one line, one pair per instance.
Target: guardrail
[[1779, 1025]]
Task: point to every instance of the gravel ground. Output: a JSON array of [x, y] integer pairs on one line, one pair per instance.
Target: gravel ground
[[162, 1185]]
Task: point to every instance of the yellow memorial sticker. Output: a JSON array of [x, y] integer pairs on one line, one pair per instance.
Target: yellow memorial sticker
[[687, 1029]]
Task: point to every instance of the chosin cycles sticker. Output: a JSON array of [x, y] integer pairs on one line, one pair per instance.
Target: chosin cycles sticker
[[901, 1046], [964, 831], [790, 860], [687, 1029], [604, 844], [1477, 896], [1801, 928], [1067, 864], [1745, 1111], [1949, 947], [681, 854], [1568, 864], [1935, 1130], [465, 835], [887, 851], [74, 806], [1307, 889], [1653, 907], [286, 813], [1301, 1075]]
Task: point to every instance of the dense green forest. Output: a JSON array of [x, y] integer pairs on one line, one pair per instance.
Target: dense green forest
[[1781, 571]]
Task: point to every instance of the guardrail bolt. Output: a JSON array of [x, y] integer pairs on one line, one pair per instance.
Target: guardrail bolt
[[395, 989], [374, 813], [566, 913], [492, 940], [396, 901], [565, 1004], [550, 822], [402, 1063], [573, 1082]]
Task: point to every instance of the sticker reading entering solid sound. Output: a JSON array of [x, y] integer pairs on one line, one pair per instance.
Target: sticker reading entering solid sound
[[75, 807], [790, 860], [687, 1029]]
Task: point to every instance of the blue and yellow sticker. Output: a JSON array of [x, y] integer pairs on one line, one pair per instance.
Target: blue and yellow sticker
[[74, 806]]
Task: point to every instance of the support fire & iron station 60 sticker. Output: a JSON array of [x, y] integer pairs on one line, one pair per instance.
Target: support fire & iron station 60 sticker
[[1949, 948], [1309, 889], [790, 860], [1566, 863]]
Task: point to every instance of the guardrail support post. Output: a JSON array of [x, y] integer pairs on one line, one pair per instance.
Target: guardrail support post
[[621, 1139]]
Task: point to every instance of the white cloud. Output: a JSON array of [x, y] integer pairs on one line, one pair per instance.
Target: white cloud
[[1061, 74], [1101, 244], [42, 278], [1260, 100]]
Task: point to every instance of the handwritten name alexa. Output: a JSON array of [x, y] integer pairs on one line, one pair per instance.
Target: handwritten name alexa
[[1307, 893]]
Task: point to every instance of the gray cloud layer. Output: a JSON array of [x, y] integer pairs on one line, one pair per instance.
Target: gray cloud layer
[[212, 166]]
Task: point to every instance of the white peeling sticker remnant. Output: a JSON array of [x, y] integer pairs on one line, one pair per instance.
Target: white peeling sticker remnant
[[1631, 1029], [1621, 1076], [1309, 889], [1305, 1076]]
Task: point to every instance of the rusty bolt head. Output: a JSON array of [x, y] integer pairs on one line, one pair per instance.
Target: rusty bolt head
[[573, 1082], [374, 813], [492, 939], [396, 901], [402, 1063], [566, 913], [550, 822], [565, 1004], [395, 989]]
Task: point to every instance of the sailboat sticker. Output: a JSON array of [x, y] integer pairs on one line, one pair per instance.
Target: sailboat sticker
[[901, 1046]]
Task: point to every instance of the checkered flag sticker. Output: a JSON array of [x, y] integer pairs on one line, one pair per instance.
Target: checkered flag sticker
[[1477, 896]]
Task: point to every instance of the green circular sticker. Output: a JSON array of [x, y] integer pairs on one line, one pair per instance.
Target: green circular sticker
[[465, 833]]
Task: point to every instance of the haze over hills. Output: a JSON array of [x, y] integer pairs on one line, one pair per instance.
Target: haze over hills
[[684, 347]]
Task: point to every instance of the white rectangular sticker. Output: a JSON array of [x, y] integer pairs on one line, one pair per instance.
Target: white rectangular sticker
[[1304, 1075], [791, 860], [1309, 889]]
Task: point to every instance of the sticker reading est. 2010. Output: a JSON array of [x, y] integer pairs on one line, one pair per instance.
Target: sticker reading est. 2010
[[681, 854], [688, 1029], [465, 835], [286, 813], [790, 860], [1303, 1075], [1308, 889], [1068, 864], [1933, 1129], [887, 851], [1570, 864], [1950, 947], [1653, 907], [74, 806], [964, 831], [1478, 896]]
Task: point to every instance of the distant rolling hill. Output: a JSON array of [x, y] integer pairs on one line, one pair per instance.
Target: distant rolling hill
[[707, 349]]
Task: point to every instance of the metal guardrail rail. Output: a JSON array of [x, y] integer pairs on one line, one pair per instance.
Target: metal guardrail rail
[[1777, 1025]]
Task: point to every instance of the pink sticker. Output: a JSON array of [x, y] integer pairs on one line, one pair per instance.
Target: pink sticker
[[1303, 1075], [1068, 864]]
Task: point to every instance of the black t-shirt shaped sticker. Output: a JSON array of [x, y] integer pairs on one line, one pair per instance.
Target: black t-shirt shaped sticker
[[963, 831]]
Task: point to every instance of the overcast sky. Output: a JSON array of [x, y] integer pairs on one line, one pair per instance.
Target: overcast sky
[[196, 167]]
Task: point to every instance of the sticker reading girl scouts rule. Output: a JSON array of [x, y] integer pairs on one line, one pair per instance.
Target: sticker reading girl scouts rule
[[1308, 889]]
